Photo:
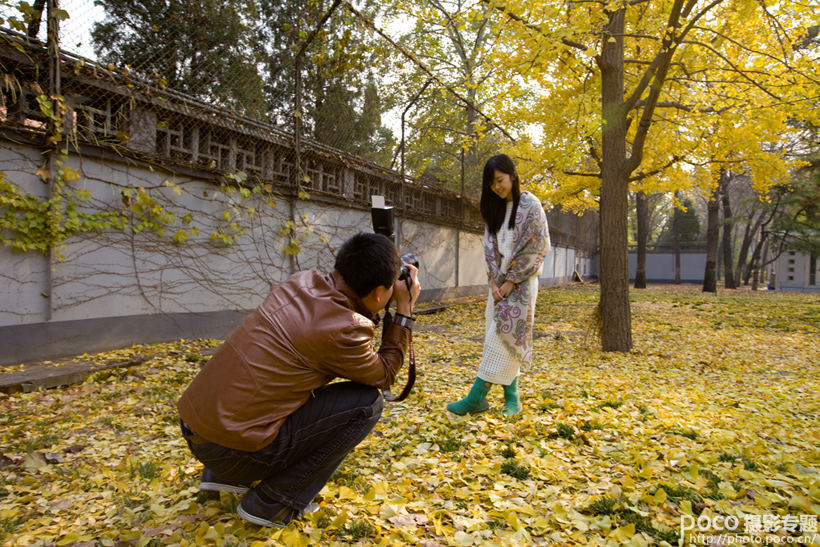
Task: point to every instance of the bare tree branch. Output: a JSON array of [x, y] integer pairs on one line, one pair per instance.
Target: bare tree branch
[[756, 52], [421, 65], [641, 176], [577, 174], [684, 107], [734, 67], [593, 152], [664, 58]]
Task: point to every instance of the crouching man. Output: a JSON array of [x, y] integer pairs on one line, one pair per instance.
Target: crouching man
[[262, 409]]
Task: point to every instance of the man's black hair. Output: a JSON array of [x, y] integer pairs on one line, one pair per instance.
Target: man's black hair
[[367, 261], [493, 208]]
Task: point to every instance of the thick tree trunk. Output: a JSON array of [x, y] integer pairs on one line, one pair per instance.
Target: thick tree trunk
[[763, 240], [728, 261], [616, 329], [744, 269], [719, 264], [742, 254], [748, 273], [471, 157], [642, 209], [712, 232], [756, 256], [676, 240], [36, 18]]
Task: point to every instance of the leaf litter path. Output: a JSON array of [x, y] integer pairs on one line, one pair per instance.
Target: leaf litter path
[[715, 412]]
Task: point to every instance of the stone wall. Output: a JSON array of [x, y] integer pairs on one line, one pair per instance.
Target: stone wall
[[108, 289]]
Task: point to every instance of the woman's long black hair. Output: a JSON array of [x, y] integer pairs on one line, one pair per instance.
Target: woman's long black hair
[[493, 207]]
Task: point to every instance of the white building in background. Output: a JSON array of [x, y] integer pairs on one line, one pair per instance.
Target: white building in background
[[660, 263], [794, 271]]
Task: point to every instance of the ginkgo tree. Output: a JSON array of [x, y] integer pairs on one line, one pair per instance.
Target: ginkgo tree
[[453, 40], [627, 92]]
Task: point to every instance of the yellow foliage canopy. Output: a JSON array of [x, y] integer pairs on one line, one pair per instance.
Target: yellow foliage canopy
[[734, 83]]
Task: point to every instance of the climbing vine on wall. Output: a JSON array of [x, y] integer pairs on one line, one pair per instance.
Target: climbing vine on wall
[[43, 223], [33, 223]]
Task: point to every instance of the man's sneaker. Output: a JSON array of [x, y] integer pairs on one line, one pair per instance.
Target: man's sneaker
[[272, 515], [210, 483]]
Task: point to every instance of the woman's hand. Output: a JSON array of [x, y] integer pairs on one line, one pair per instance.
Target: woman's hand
[[503, 291]]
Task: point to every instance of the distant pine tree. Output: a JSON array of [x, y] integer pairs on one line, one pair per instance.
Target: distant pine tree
[[690, 230]]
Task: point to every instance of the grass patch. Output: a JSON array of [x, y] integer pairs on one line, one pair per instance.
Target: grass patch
[[7, 526], [664, 533], [642, 524], [514, 469], [147, 470], [40, 442], [359, 529], [450, 444], [710, 476], [230, 502], [344, 477], [680, 493], [589, 425], [132, 498], [204, 496], [604, 506], [551, 405], [509, 452], [619, 510], [565, 431], [749, 465]]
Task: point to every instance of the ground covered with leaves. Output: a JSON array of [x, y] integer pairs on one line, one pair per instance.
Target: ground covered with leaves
[[715, 412]]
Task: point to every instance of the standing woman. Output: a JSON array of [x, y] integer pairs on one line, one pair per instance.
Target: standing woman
[[516, 241]]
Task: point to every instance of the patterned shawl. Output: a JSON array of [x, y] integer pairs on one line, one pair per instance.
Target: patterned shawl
[[531, 243]]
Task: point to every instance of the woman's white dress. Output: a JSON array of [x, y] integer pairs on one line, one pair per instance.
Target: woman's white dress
[[499, 365]]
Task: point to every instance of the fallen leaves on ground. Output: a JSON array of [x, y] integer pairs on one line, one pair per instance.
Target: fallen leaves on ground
[[715, 412]]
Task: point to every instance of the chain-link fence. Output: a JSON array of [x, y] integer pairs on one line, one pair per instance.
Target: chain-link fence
[[271, 90], [288, 94], [177, 158]]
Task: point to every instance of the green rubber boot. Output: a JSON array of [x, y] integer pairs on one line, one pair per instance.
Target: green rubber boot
[[474, 402], [512, 404]]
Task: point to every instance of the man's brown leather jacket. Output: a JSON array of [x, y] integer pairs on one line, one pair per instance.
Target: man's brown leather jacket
[[310, 330]]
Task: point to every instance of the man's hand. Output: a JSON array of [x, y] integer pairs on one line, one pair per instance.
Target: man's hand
[[503, 291], [406, 299]]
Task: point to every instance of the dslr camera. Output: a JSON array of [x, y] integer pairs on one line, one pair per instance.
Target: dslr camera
[[382, 217], [383, 224], [408, 259]]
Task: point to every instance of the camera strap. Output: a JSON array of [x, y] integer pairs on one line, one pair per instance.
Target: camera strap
[[411, 379], [411, 368]]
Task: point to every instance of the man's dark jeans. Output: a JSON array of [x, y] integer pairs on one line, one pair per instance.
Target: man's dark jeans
[[311, 444]]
